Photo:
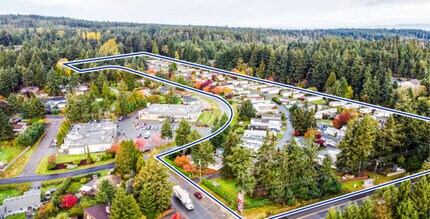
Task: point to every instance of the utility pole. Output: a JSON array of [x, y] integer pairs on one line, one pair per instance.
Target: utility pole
[[200, 166]]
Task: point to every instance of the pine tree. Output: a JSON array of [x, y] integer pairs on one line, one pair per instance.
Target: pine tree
[[264, 167], [155, 48], [387, 140], [182, 133], [357, 145], [241, 164], [6, 131], [333, 214], [421, 197], [124, 206], [126, 158], [105, 192], [166, 129], [52, 85], [247, 110], [231, 142], [94, 90], [152, 188], [329, 184], [331, 80], [202, 153], [406, 210], [219, 139]]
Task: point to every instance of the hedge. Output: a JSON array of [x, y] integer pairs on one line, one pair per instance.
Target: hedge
[[31, 134], [276, 100], [64, 128]]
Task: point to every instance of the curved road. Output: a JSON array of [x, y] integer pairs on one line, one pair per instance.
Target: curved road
[[37, 178]]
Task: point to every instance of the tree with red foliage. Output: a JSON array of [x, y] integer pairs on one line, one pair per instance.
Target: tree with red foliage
[[296, 133], [155, 139], [69, 201], [177, 215], [140, 143], [114, 148], [181, 160], [343, 118]]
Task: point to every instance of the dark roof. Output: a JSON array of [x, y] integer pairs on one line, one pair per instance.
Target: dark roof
[[97, 211]]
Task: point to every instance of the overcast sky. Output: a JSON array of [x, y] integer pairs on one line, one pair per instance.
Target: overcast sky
[[291, 14]]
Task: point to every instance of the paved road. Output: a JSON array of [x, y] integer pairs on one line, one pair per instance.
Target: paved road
[[288, 134], [44, 149], [21, 179], [203, 208]]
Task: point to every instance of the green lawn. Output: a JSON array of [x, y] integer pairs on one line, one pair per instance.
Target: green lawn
[[17, 167], [16, 216], [8, 152], [320, 102], [208, 117], [9, 193], [42, 167], [349, 186], [327, 121], [279, 136], [229, 186]]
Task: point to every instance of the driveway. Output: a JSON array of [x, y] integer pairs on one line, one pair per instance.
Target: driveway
[[44, 148]]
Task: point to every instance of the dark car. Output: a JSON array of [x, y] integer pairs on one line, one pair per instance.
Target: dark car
[[198, 195], [139, 135]]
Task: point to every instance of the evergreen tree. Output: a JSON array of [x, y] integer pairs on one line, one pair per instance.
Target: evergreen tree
[[182, 133], [52, 84], [241, 163], [202, 153], [357, 145], [105, 192], [247, 110], [126, 158], [219, 139], [152, 188], [124, 206], [331, 80], [329, 184], [166, 129], [6, 131], [231, 142], [94, 90], [387, 140], [265, 164], [155, 48]]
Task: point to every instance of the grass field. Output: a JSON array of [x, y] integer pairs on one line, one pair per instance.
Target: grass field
[[17, 167], [16, 216], [8, 193], [8, 152], [42, 167], [209, 117], [320, 102]]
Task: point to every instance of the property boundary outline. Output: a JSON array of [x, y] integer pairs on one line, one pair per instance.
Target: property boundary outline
[[160, 156]]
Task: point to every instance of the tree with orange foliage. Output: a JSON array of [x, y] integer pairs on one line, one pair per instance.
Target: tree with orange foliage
[[217, 90], [189, 168], [311, 133], [207, 88], [181, 160], [198, 84], [114, 148]]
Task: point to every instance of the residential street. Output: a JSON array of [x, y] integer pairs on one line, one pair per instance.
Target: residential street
[[287, 134], [44, 149]]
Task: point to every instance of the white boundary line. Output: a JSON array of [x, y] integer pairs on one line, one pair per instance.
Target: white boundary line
[[161, 155]]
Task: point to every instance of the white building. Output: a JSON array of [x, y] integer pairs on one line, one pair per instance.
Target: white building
[[260, 134], [329, 112], [29, 201], [252, 143], [97, 136], [382, 113], [273, 126], [335, 132], [265, 106], [178, 112], [365, 110], [313, 98], [336, 103]]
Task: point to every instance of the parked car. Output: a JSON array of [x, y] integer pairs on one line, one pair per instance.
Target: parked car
[[198, 195], [139, 135]]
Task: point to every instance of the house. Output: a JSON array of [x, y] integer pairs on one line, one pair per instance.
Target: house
[[29, 201], [19, 127], [336, 103], [97, 136], [365, 110], [83, 89], [351, 106], [219, 152], [87, 190], [164, 90], [264, 107], [313, 98], [271, 116], [187, 100], [382, 113], [217, 164], [335, 132], [101, 211], [273, 126], [328, 112], [252, 143], [178, 112], [255, 134]]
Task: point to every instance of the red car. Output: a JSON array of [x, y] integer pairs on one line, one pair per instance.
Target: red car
[[198, 195]]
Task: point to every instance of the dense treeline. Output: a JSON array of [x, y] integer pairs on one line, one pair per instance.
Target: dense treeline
[[363, 60]]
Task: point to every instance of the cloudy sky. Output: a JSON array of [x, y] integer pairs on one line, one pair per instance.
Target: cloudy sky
[[291, 14]]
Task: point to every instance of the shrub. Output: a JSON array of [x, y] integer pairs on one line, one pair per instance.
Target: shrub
[[276, 100], [64, 128], [181, 160], [76, 162], [31, 134], [83, 180], [52, 162]]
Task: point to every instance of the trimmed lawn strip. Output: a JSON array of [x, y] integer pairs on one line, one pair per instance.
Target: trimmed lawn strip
[[42, 167], [17, 216], [20, 163], [8, 152]]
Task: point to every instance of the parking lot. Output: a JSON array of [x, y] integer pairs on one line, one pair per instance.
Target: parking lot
[[132, 128]]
